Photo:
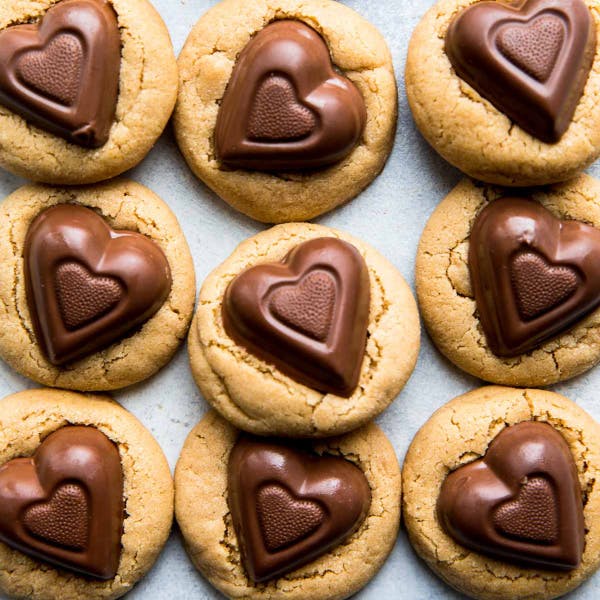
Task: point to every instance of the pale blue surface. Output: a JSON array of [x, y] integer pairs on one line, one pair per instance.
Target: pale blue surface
[[390, 215]]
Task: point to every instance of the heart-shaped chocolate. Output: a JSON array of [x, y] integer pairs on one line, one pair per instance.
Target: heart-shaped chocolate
[[64, 505], [307, 315], [533, 275], [285, 107], [521, 502], [530, 60], [87, 285], [63, 74], [289, 506]]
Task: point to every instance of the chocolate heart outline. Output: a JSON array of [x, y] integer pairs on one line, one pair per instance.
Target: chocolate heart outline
[[493, 242], [85, 123], [72, 457], [332, 366], [323, 87], [471, 493], [481, 21], [132, 258], [255, 462]]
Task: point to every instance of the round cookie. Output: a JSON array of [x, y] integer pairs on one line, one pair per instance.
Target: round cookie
[[206, 523], [357, 50], [255, 395], [460, 433], [147, 90], [475, 136], [27, 419], [446, 297], [124, 205]]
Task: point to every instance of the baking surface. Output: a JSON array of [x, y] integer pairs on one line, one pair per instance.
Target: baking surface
[[389, 215]]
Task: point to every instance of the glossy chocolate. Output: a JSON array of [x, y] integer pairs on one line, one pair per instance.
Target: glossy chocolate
[[521, 502], [307, 315], [87, 285], [64, 505], [531, 60], [286, 107], [62, 74], [290, 506], [533, 275]]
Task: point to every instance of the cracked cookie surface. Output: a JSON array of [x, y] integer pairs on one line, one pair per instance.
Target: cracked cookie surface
[[447, 301], [254, 395], [459, 433], [206, 62], [470, 133], [203, 515], [147, 94], [27, 419], [124, 205]]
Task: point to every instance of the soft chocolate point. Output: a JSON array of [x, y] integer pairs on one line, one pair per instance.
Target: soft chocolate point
[[63, 74], [286, 108], [533, 275], [290, 506], [521, 502], [87, 285], [307, 315], [64, 505], [530, 60]]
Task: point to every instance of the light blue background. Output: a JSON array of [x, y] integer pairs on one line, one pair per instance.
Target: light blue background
[[390, 215]]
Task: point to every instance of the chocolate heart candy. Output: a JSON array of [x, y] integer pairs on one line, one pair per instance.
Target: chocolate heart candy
[[285, 106], [87, 285], [521, 502], [63, 74], [289, 506], [64, 505], [533, 275], [308, 315], [531, 61]]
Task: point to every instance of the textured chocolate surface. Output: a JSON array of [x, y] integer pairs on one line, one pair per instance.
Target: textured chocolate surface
[[290, 506], [521, 502], [308, 315], [531, 60], [64, 505], [63, 74], [533, 275], [285, 107], [87, 285]]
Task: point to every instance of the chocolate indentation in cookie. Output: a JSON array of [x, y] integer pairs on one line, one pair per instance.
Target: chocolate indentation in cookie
[[533, 275], [84, 297], [307, 315], [531, 60], [533, 516], [62, 74], [64, 505], [286, 107], [88, 285], [63, 520], [285, 520], [290, 506], [521, 502], [307, 307], [277, 115], [540, 287]]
